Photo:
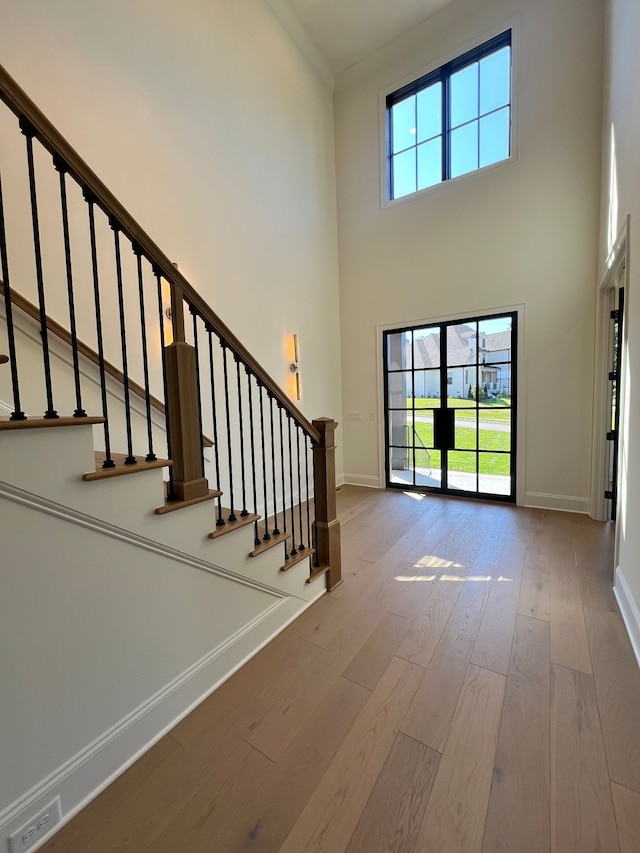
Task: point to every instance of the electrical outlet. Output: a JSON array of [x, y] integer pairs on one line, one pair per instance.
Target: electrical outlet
[[373, 416], [24, 838]]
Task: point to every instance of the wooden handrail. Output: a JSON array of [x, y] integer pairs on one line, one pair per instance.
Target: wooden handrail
[[91, 355], [20, 103]]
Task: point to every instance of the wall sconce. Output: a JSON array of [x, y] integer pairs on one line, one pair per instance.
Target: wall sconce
[[293, 367]]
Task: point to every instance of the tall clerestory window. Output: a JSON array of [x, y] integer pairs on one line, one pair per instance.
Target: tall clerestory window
[[452, 121]]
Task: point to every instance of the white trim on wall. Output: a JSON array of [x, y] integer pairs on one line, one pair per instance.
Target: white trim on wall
[[628, 609]]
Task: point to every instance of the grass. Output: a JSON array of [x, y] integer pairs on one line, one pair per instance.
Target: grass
[[491, 410], [490, 440]]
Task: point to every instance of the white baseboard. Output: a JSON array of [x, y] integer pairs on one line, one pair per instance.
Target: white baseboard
[[367, 480], [564, 503], [629, 610], [89, 772]]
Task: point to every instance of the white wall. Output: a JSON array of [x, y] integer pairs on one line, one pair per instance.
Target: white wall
[[210, 126], [518, 233], [621, 197]]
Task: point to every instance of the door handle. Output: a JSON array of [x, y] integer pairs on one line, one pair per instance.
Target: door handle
[[443, 429]]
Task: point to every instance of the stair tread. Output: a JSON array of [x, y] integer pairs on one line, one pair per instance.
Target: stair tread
[[120, 468], [293, 559], [228, 526], [317, 572], [37, 423], [171, 506], [267, 544]]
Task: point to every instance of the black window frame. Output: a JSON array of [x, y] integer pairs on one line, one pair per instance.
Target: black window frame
[[443, 75]]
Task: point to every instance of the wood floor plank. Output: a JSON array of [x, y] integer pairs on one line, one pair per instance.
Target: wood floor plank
[[617, 680], [239, 705], [627, 808], [267, 818], [395, 809], [456, 811], [534, 598], [596, 588], [208, 819], [80, 833], [424, 635], [519, 818], [277, 728], [369, 664], [333, 811], [431, 711], [569, 646], [492, 648], [582, 817]]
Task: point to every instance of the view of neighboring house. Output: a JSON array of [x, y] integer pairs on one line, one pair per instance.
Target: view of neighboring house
[[482, 359]]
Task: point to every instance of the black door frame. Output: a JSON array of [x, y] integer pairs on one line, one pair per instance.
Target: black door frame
[[444, 432]]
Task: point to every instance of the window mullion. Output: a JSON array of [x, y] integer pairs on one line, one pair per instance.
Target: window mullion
[[446, 126]]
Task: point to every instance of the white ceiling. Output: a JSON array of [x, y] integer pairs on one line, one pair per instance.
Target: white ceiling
[[345, 31]]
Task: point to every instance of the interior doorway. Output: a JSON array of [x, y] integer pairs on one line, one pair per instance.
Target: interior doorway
[[451, 406]]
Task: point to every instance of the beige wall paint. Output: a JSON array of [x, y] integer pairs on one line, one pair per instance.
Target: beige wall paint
[[207, 122], [621, 197], [522, 232]]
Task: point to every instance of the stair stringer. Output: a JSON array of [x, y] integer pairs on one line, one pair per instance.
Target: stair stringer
[[50, 462], [125, 636]]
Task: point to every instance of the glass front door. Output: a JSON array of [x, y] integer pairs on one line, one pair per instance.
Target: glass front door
[[450, 403]]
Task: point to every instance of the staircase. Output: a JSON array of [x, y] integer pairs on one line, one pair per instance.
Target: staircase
[[157, 531]]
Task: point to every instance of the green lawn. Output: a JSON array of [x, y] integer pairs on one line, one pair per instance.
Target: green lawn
[[490, 440], [492, 410]]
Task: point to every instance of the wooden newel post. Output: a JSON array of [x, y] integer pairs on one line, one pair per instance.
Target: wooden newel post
[[327, 525], [182, 408]]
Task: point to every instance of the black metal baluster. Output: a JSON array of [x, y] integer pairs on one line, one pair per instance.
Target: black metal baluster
[[244, 511], [256, 534], [61, 167], [223, 344], [17, 414], [266, 536], [158, 274], [216, 455], [301, 545], [284, 500], [316, 561], [306, 471], [115, 227], [276, 531], [29, 133], [194, 314], [90, 199], [137, 251], [293, 517]]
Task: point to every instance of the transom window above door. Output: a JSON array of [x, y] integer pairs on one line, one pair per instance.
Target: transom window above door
[[452, 121]]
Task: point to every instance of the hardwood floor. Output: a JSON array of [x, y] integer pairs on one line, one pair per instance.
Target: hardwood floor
[[469, 688]]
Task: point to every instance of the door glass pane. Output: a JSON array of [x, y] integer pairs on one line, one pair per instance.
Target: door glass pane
[[423, 429], [462, 471], [403, 121], [430, 163], [461, 344], [400, 389], [495, 429], [429, 105], [494, 137], [426, 386], [404, 173], [464, 95], [465, 431], [399, 351], [495, 80], [427, 347], [495, 474], [464, 149]]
